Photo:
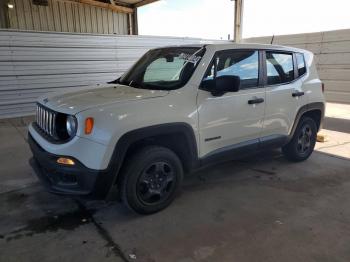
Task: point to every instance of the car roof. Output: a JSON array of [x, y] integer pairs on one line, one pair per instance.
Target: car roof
[[232, 45], [223, 46]]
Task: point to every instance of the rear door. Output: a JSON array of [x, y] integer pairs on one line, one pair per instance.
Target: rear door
[[281, 87]]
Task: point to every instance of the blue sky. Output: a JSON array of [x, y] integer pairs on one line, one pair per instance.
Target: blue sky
[[214, 18]]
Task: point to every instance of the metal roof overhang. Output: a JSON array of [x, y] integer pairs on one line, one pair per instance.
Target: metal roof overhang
[[124, 6], [135, 3]]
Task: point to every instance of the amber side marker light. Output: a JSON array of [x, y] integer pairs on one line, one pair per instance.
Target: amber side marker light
[[89, 125], [65, 161]]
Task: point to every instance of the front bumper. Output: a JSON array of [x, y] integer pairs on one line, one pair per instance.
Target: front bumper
[[75, 180]]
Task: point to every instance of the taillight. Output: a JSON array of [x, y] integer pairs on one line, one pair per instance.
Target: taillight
[[322, 87]]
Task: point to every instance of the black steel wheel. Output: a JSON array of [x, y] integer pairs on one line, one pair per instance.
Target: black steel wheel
[[156, 183], [304, 139], [151, 179], [303, 142]]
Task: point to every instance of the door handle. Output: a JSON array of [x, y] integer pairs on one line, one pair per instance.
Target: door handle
[[256, 101], [297, 94]]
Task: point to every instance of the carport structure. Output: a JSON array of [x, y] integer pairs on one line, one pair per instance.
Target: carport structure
[[46, 15], [78, 16], [50, 45]]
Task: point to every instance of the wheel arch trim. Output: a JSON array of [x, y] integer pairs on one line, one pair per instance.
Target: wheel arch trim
[[304, 109], [133, 136]]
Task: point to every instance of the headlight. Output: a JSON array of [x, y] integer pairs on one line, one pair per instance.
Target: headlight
[[71, 125]]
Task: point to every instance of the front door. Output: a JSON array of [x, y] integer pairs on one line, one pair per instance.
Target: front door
[[234, 118]]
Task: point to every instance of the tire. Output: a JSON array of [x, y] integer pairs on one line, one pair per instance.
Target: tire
[[303, 142], [151, 179]]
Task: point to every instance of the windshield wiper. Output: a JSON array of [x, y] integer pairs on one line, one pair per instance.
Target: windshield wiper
[[119, 81], [134, 84]]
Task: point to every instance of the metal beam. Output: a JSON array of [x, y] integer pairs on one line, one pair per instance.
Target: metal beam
[[238, 27], [145, 2], [115, 8]]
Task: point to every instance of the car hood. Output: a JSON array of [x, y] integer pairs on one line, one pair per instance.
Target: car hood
[[85, 98]]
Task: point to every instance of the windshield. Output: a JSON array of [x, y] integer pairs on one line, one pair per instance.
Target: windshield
[[164, 68]]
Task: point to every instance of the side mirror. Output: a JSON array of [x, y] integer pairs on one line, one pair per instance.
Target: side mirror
[[222, 85]]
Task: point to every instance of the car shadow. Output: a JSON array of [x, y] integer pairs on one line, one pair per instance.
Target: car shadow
[[221, 174]]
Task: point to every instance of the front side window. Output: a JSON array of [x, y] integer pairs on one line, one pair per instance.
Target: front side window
[[164, 68], [301, 64], [279, 67], [244, 64]]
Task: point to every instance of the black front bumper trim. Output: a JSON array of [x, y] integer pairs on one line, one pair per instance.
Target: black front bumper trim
[[77, 180]]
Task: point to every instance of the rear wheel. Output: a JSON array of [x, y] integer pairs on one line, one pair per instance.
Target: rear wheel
[[151, 179], [303, 142]]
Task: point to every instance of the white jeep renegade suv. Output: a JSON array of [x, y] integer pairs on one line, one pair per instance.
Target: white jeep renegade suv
[[177, 109]]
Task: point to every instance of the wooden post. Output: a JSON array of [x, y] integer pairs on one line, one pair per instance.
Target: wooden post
[[3, 14], [130, 24], [135, 22]]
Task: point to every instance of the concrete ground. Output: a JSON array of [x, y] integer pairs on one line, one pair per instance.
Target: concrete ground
[[262, 208]]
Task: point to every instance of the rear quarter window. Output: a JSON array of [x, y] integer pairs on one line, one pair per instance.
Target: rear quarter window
[[301, 64]]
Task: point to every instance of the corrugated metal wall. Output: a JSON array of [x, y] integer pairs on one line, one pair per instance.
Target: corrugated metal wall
[[62, 16], [32, 64], [332, 50]]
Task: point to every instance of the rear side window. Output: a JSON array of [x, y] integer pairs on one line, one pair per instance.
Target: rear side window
[[279, 67], [301, 64], [244, 64]]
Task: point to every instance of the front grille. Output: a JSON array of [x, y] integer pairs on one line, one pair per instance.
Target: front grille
[[46, 120]]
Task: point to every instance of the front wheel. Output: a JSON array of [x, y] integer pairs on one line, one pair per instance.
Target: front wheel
[[151, 179], [303, 142]]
